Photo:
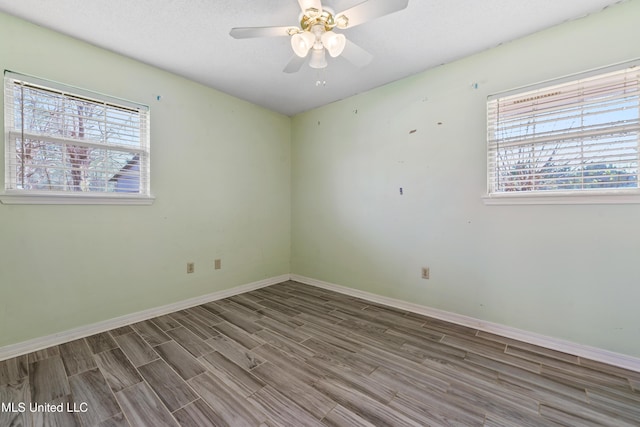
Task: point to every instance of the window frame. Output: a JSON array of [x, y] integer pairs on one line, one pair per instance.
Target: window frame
[[573, 196], [12, 195]]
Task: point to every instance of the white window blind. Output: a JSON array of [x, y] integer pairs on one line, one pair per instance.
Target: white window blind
[[62, 140], [576, 136]]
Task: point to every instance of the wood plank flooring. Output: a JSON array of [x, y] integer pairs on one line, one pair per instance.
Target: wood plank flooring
[[295, 355]]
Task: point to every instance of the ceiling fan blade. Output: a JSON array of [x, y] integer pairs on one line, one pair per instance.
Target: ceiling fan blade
[[310, 4], [249, 32], [356, 55], [294, 65], [371, 9]]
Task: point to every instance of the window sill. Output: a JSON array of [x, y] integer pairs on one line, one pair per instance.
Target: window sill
[[610, 198], [22, 198]]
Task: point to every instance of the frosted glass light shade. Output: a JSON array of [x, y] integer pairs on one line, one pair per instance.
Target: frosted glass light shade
[[334, 43], [302, 42], [318, 59]]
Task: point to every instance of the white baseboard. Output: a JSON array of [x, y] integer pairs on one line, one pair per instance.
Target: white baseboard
[[580, 350], [36, 344], [593, 353]]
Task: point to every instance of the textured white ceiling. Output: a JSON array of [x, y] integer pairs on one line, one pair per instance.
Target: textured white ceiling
[[191, 38]]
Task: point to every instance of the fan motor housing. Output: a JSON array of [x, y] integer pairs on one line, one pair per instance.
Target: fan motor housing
[[324, 18]]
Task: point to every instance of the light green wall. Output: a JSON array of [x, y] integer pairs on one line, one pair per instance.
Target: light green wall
[[565, 271], [246, 194], [221, 175]]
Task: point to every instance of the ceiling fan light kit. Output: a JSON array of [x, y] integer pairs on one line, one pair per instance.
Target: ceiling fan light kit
[[316, 34], [334, 43], [302, 43], [318, 58]]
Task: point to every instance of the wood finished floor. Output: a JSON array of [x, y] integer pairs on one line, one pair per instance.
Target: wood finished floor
[[295, 355]]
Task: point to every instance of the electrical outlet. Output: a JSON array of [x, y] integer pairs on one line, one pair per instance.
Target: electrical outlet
[[425, 272], [191, 267], [217, 264]]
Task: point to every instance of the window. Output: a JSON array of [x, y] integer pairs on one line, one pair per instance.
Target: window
[[67, 145], [575, 137]]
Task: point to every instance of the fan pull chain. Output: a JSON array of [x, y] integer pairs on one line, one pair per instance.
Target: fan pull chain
[[320, 78]]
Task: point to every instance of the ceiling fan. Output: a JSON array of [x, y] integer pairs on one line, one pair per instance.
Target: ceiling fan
[[315, 36]]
